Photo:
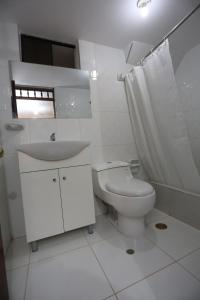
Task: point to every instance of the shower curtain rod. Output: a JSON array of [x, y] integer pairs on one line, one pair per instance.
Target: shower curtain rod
[[167, 35]]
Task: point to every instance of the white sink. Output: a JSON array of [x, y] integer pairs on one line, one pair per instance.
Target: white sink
[[53, 151]]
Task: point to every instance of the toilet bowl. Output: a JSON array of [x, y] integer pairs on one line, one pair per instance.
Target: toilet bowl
[[132, 198]]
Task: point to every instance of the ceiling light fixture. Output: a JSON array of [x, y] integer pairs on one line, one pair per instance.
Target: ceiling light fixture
[[143, 7]]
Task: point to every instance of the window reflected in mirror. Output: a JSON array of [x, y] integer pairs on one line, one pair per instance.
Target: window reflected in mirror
[[30, 102], [40, 91]]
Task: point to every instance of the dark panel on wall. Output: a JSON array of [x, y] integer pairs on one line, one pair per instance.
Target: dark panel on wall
[[42, 51], [63, 56], [36, 50]]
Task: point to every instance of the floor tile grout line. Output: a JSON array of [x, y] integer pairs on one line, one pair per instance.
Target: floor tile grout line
[[102, 269], [26, 281], [27, 273], [140, 280], [161, 249], [90, 245], [149, 239], [53, 256], [107, 298], [45, 258], [115, 293], [61, 253], [103, 272], [56, 255], [16, 268], [175, 259], [185, 269], [190, 253]]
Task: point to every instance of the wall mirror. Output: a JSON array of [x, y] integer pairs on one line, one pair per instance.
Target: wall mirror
[[47, 92]]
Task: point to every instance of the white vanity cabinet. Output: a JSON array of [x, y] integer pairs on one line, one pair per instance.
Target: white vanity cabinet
[[42, 204], [57, 195], [77, 196]]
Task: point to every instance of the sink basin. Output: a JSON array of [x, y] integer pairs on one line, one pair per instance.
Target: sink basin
[[53, 151]]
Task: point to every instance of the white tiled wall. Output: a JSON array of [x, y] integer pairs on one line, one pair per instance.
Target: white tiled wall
[[109, 129], [9, 49], [112, 134], [188, 79], [9, 46]]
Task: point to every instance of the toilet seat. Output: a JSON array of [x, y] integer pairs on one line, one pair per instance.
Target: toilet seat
[[130, 187]]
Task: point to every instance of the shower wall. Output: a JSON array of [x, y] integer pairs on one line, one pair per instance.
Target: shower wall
[[185, 52], [188, 80]]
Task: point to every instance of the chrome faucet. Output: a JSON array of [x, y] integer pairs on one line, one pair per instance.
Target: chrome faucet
[[53, 137]]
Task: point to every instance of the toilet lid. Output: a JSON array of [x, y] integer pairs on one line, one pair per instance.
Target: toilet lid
[[129, 187]]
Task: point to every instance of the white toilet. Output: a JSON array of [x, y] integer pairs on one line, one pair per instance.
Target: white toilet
[[132, 198]]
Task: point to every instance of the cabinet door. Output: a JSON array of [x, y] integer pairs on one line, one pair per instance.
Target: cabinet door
[[42, 204], [77, 197]]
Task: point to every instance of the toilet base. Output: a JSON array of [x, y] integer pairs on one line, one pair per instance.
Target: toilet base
[[132, 227]]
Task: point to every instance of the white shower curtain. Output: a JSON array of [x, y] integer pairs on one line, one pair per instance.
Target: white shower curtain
[[158, 123]]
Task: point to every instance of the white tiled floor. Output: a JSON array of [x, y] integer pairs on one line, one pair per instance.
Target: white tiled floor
[[62, 243], [192, 263], [166, 265], [178, 240], [123, 270], [18, 254], [104, 230], [17, 282], [172, 283]]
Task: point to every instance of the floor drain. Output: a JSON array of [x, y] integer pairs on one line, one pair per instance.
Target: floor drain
[[130, 251], [161, 226]]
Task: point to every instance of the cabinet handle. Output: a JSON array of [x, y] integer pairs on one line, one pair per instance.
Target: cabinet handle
[[64, 178], [54, 179]]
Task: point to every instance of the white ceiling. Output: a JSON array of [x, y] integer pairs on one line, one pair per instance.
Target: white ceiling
[[111, 22]]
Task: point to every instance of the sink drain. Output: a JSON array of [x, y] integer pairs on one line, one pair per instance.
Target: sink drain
[[161, 226], [130, 251]]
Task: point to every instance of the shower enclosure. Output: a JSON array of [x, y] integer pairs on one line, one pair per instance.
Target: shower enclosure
[[164, 103]]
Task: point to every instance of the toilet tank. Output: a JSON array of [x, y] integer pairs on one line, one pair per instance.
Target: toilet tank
[[102, 172]]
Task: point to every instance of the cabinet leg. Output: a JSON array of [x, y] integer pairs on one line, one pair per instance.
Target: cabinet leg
[[34, 246], [91, 229]]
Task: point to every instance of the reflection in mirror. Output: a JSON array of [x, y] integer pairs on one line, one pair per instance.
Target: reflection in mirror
[[40, 91], [72, 102], [30, 102]]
